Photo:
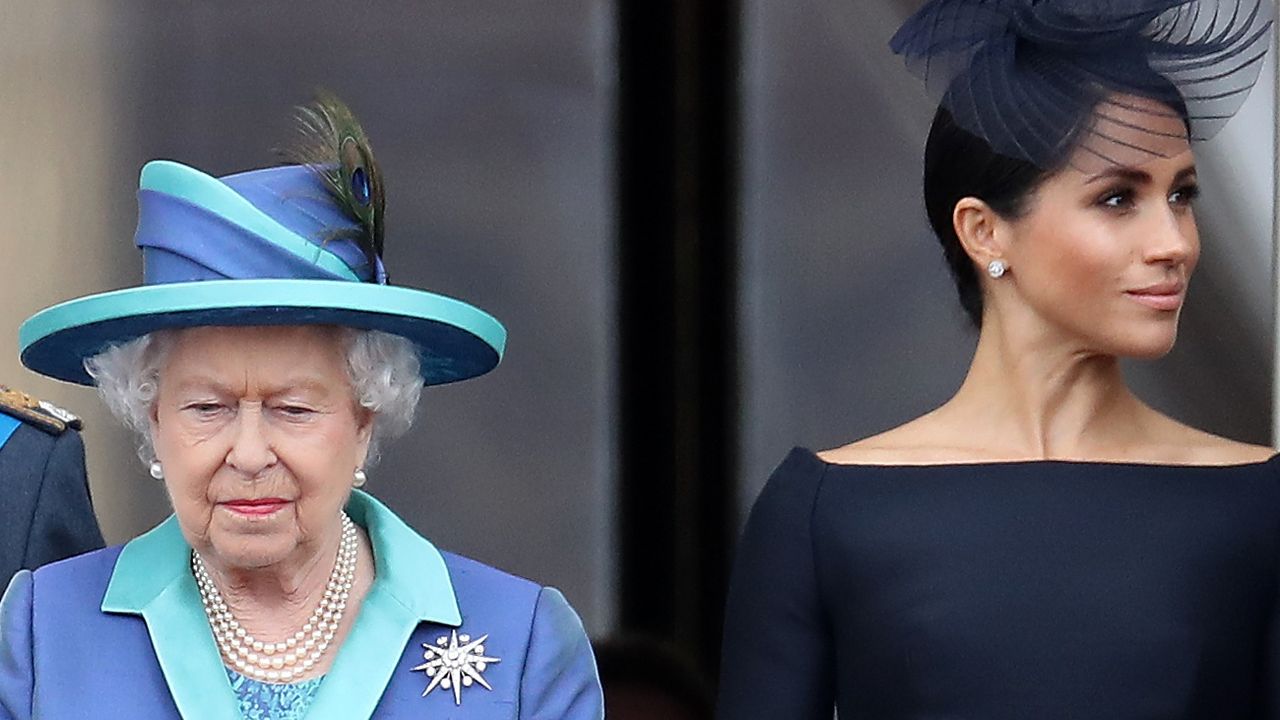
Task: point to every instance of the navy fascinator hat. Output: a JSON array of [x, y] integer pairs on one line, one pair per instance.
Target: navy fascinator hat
[[1033, 77], [298, 244]]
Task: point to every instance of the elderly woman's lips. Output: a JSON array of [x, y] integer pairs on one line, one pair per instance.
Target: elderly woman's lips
[[261, 506]]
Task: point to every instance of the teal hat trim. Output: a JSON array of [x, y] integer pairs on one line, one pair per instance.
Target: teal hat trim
[[199, 189], [455, 340], [279, 246]]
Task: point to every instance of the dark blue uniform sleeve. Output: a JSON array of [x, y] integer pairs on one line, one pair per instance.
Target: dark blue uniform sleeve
[[778, 660], [560, 681], [16, 662], [63, 523]]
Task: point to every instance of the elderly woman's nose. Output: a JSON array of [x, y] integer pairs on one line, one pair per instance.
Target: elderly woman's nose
[[250, 452]]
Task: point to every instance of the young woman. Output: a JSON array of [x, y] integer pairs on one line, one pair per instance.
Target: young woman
[[1044, 544]]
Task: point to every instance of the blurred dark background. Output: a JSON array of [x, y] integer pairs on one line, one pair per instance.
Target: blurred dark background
[[700, 221]]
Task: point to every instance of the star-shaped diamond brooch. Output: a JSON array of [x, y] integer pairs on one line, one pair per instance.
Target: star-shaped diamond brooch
[[455, 662]]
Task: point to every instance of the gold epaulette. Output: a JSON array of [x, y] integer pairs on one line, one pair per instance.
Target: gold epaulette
[[44, 415]]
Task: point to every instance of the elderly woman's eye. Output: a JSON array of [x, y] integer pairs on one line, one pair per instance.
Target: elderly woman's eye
[[295, 411], [204, 408]]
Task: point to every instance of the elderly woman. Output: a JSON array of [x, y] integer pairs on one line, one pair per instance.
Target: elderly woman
[[263, 364]]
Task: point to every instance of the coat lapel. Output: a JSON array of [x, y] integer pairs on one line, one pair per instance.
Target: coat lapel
[[151, 578], [411, 585]]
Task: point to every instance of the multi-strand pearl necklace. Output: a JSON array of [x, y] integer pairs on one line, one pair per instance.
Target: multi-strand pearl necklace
[[282, 661]]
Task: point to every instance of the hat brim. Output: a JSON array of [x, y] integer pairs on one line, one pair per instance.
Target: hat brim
[[455, 340]]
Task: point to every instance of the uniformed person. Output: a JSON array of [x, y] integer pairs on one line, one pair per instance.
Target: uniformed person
[[46, 514]]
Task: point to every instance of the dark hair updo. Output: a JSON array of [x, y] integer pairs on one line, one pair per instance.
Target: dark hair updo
[[957, 165]]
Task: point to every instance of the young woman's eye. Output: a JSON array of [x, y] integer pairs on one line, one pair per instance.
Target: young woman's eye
[[1185, 195], [1117, 199]]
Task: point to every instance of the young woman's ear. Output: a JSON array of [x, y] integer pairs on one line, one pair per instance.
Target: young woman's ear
[[981, 232]]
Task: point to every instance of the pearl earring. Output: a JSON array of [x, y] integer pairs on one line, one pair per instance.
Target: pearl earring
[[360, 478], [157, 470], [996, 268]]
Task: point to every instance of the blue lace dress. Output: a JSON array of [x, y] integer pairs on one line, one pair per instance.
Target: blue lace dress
[[273, 701]]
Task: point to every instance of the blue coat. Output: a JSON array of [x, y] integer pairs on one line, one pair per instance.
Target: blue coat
[[121, 633]]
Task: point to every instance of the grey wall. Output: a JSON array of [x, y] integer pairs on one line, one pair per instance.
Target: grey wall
[[492, 123], [850, 322]]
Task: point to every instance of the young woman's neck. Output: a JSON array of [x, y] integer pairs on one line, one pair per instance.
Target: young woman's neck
[[1034, 394]]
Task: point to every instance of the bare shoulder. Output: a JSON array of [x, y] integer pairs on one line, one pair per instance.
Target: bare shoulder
[[1194, 446], [936, 439], [923, 441]]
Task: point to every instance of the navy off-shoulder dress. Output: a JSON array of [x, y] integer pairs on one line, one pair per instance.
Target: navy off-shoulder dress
[[1020, 590]]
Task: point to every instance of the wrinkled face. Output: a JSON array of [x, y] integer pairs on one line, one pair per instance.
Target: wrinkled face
[[1107, 248], [259, 434]]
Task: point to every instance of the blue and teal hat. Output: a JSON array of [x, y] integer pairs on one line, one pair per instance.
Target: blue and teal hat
[[291, 245]]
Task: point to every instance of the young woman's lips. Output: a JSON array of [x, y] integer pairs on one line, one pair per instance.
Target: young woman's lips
[[1164, 297], [256, 508]]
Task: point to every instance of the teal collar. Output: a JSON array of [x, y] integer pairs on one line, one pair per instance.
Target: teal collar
[[152, 578]]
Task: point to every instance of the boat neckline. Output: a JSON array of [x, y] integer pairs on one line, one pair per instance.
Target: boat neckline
[[1041, 462]]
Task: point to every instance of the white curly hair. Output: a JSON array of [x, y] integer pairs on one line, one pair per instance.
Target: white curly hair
[[383, 369]]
